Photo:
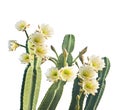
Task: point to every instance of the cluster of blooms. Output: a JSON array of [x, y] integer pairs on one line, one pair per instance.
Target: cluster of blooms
[[36, 41], [66, 74], [88, 73]]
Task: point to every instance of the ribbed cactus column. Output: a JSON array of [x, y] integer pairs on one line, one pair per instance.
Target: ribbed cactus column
[[93, 101], [31, 81], [31, 86], [54, 93], [89, 78]]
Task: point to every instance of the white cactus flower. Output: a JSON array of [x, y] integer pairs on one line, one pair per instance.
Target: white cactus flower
[[52, 74], [96, 62], [87, 72], [90, 86], [13, 45], [46, 30], [41, 51], [21, 25], [67, 73], [37, 38], [26, 58]]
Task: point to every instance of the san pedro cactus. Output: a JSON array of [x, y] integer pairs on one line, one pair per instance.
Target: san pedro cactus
[[89, 76], [31, 86], [52, 96], [93, 101], [54, 93], [31, 80]]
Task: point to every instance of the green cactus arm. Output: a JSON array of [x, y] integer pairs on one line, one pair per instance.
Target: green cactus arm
[[103, 74], [100, 93], [68, 43], [31, 86], [54, 93], [57, 96], [75, 93], [48, 97], [52, 96], [93, 101]]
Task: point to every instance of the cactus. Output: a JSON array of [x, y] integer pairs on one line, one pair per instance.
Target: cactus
[[54, 93], [68, 43], [75, 93], [31, 82], [31, 87], [86, 85], [93, 101], [52, 96]]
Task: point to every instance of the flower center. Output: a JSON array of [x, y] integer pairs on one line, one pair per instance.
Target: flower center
[[55, 73], [66, 72], [36, 40], [89, 86]]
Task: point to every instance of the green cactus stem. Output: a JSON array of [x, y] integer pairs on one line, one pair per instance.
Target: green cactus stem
[[52, 96], [31, 81], [54, 93], [68, 43], [75, 103], [31, 86], [93, 101]]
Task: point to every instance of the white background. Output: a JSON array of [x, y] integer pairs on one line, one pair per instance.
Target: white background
[[95, 23]]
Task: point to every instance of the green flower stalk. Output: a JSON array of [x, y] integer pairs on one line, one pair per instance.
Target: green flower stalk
[[89, 76]]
